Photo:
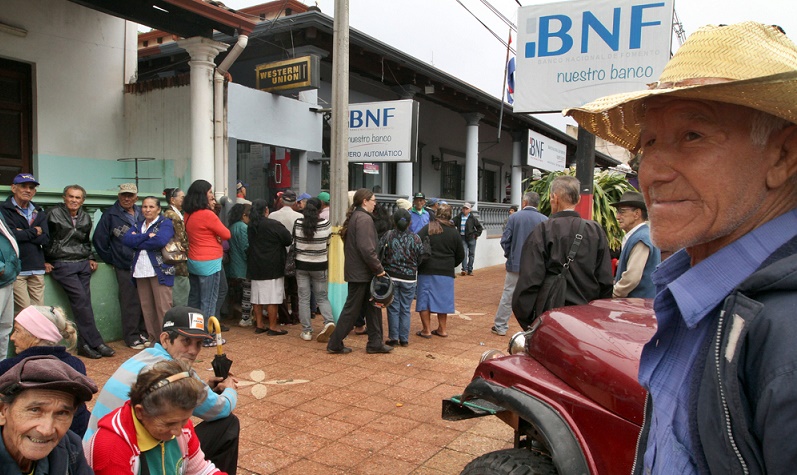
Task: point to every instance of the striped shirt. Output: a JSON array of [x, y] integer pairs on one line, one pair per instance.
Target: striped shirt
[[311, 253]]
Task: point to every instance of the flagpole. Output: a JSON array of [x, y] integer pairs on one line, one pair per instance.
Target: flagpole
[[503, 86]]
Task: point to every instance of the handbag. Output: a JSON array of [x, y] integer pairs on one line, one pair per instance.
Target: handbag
[[173, 252], [554, 286], [290, 259]]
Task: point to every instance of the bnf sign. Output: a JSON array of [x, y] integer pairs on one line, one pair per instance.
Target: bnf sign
[[573, 52], [383, 131]]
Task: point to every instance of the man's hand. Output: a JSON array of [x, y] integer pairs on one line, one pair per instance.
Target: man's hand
[[93, 265], [218, 385], [48, 267], [38, 230]]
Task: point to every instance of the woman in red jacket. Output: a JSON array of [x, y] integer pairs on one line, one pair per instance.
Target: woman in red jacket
[[205, 233]]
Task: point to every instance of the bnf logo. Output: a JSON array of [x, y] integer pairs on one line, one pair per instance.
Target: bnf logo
[[555, 37]]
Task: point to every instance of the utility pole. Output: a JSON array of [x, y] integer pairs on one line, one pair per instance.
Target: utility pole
[[339, 162]]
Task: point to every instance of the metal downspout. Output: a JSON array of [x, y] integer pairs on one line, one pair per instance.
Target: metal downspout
[[220, 152]]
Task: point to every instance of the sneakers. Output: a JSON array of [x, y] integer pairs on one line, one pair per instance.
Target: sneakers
[[323, 337], [245, 322], [497, 331], [137, 345], [306, 336]]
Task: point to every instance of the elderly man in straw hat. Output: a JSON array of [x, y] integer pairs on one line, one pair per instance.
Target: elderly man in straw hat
[[720, 369], [639, 257]]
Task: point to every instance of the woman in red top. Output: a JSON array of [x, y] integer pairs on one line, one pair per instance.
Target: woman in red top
[[205, 233]]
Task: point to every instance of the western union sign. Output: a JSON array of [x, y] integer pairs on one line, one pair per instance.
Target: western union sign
[[295, 74]]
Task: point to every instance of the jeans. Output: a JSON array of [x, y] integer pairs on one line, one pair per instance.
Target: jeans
[[75, 278], [222, 296], [6, 317], [204, 293], [130, 307], [398, 312], [470, 254], [318, 280], [505, 305]]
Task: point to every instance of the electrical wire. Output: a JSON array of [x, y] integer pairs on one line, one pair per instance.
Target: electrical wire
[[501, 40], [500, 15]]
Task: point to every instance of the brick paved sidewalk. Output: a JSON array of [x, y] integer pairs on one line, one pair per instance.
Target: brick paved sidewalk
[[304, 411]]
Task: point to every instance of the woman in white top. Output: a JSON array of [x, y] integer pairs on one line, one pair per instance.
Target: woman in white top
[[153, 278]]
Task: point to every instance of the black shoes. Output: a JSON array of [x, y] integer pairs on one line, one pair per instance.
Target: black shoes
[[88, 352], [392, 342], [105, 350], [381, 349], [341, 351]]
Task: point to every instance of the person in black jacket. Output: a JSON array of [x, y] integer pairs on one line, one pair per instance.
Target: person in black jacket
[[70, 263], [469, 229], [546, 249], [265, 265], [28, 222], [362, 264], [436, 274]]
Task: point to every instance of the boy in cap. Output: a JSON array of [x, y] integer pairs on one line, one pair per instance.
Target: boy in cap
[[719, 369], [28, 223], [181, 339]]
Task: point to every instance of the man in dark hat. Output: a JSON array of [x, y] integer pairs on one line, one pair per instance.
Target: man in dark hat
[[38, 398], [420, 217], [638, 258], [181, 339]]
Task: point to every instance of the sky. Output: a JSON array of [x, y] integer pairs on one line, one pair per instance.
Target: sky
[[443, 33]]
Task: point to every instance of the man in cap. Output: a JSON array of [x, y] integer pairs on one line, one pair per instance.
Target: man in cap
[[638, 257], [107, 240], [28, 222], [301, 201], [9, 269], [403, 203], [38, 399], [719, 371], [549, 247], [240, 193], [469, 230], [518, 228], [431, 207], [70, 263], [181, 339], [324, 198], [418, 213]]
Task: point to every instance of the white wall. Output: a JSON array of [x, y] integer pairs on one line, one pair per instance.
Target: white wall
[[78, 59]]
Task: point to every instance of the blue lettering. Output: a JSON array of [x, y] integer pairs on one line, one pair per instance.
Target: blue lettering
[[610, 38], [355, 119], [535, 149], [637, 24], [565, 23], [386, 114]]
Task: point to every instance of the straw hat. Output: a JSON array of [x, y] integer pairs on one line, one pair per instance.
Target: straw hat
[[747, 64]]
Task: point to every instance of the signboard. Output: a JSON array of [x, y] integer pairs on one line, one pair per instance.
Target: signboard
[[297, 74], [383, 131], [371, 168], [570, 53], [545, 153]]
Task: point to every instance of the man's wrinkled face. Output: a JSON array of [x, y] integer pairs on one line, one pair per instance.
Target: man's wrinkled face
[[73, 199], [35, 422], [127, 200], [703, 179], [628, 217], [23, 193], [183, 348]]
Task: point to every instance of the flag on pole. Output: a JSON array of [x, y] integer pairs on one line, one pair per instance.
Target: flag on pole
[[510, 80]]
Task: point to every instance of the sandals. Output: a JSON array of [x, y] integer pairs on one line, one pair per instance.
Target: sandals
[[436, 333], [420, 334]]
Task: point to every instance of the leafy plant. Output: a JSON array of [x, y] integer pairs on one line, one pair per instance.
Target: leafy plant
[[608, 188]]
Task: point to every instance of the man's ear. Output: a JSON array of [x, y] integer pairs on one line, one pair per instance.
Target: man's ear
[[3, 411], [164, 339], [783, 143]]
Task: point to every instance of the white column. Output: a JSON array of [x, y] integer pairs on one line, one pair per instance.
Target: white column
[[310, 97], [472, 159], [202, 52], [517, 167], [404, 178]]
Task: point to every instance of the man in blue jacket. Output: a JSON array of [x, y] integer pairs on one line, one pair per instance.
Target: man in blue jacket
[[420, 217], [28, 222], [638, 258], [9, 269], [518, 228], [107, 241]]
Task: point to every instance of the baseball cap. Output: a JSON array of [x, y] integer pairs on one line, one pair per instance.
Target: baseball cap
[[324, 197], [431, 201], [186, 321], [240, 185], [466, 205], [304, 196], [47, 372], [25, 178], [128, 188], [288, 196], [418, 195]]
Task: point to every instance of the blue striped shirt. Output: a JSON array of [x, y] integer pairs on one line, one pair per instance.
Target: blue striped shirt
[[688, 301]]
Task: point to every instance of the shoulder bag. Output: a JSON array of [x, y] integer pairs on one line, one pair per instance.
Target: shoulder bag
[[554, 286]]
